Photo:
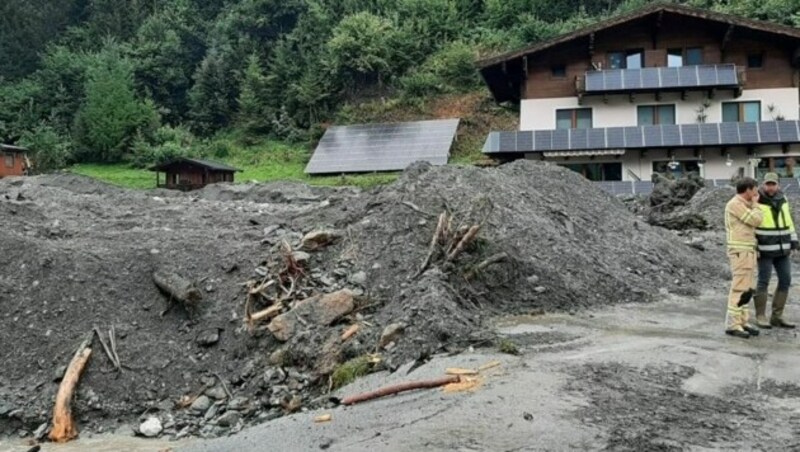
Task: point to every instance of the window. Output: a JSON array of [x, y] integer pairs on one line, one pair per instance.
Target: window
[[755, 61], [630, 59], [694, 56], [598, 171], [656, 114], [678, 168], [784, 166], [575, 118], [741, 111], [9, 160], [559, 71], [675, 57]]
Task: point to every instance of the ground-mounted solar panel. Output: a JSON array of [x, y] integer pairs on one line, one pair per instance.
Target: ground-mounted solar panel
[[492, 144], [387, 147]]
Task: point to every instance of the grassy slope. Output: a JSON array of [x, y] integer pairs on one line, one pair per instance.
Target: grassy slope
[[271, 161]]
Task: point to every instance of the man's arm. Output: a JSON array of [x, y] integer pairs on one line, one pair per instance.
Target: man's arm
[[751, 215]]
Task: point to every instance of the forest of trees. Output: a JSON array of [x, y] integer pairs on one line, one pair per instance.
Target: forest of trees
[[142, 80]]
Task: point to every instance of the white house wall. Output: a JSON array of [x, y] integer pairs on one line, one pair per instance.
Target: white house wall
[[618, 111]]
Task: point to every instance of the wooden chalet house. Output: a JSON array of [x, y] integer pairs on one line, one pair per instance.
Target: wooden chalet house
[[666, 88], [191, 174], [14, 161]]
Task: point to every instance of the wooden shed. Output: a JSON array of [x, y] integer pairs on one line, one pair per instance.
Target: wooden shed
[[191, 174], [14, 161]]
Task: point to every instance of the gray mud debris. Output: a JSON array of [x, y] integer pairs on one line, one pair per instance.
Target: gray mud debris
[[78, 253]]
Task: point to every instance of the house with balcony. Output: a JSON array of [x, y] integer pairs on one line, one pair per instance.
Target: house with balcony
[[664, 89]]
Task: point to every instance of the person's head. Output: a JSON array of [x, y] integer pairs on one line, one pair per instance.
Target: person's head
[[771, 184], [747, 187]]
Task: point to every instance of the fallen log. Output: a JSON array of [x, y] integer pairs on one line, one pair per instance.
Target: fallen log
[[64, 428], [178, 288], [401, 387]]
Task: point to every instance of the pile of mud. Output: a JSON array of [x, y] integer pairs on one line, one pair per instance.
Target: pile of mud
[[78, 254]]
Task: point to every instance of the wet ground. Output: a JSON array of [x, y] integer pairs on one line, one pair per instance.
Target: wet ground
[[633, 377]]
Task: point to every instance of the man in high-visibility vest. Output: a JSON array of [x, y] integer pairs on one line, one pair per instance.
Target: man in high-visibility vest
[[742, 216], [776, 241]]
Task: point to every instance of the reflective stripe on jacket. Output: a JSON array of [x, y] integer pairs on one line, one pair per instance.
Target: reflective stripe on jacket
[[741, 220], [776, 234]]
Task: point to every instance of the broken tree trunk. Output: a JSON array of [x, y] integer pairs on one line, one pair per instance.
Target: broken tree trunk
[[64, 428], [178, 288], [398, 388]]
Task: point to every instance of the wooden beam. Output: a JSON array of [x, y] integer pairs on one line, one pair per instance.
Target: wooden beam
[[632, 98], [683, 95], [712, 93], [525, 66], [657, 29], [785, 148], [658, 96]]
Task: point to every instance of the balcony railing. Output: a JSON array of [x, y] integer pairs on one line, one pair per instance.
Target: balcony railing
[[644, 137], [654, 79]]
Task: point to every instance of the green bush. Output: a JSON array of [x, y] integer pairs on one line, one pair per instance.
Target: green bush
[[49, 150]]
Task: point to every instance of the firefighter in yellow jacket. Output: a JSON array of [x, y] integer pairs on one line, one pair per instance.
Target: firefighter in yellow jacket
[[742, 217]]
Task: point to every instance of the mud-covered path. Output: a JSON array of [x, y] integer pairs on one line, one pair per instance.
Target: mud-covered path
[[632, 377]]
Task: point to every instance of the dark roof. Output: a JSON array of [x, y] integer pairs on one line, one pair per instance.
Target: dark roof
[[10, 148], [214, 166], [489, 67]]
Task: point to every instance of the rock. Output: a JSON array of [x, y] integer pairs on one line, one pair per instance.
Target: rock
[[4, 409], [41, 432], [211, 412], [239, 403], [327, 280], [229, 419], [216, 393], [58, 374], [270, 229], [317, 239], [292, 404], [261, 271], [151, 427], [320, 310], [532, 280], [201, 404], [301, 257], [540, 289], [391, 333], [208, 338], [359, 278]]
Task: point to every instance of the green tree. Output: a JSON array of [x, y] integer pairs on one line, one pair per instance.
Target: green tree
[[361, 49], [49, 149], [252, 102], [212, 99], [111, 115]]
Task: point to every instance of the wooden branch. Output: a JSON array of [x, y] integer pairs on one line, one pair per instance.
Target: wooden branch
[[398, 388], [491, 260], [105, 348], [64, 428], [224, 386], [438, 237], [468, 238], [349, 332], [112, 337], [268, 313]]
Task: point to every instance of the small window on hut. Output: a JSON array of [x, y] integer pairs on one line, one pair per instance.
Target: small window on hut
[[559, 71], [755, 61], [9, 160]]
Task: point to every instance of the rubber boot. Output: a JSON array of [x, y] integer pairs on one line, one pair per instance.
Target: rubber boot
[[778, 303], [761, 310]]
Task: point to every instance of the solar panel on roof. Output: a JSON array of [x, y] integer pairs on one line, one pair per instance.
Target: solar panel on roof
[[385, 147]]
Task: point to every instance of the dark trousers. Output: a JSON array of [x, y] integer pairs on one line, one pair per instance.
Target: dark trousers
[[783, 266]]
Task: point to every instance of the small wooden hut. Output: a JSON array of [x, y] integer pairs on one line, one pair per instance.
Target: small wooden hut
[[191, 174], [14, 161]]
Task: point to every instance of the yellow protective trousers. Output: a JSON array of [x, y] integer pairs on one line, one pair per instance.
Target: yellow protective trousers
[[743, 268]]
